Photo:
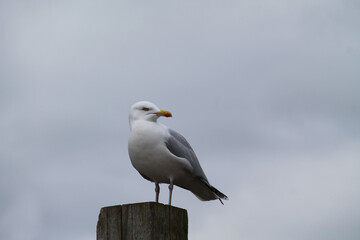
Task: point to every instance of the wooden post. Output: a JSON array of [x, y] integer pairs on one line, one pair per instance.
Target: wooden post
[[145, 221]]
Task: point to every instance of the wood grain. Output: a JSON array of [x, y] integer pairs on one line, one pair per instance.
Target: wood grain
[[145, 221]]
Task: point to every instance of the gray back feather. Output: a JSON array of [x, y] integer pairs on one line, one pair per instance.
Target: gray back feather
[[178, 146]]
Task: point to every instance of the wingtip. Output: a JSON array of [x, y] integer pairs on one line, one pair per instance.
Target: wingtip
[[224, 198], [220, 195], [217, 193]]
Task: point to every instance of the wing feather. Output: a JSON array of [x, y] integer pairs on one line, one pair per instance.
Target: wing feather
[[178, 146]]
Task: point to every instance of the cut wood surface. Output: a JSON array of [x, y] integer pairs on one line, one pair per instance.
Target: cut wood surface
[[146, 221]]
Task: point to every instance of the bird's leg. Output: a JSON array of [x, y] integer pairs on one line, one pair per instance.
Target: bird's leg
[[157, 191], [171, 186]]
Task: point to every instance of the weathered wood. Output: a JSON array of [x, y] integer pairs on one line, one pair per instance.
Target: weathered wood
[[145, 221]]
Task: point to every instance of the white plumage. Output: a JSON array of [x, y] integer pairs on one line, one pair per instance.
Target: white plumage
[[162, 155]]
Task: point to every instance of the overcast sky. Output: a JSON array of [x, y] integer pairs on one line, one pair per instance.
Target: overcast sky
[[266, 92]]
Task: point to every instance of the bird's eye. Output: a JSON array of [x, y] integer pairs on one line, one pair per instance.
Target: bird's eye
[[145, 109]]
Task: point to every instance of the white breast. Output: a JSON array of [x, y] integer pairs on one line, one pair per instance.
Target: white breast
[[149, 154]]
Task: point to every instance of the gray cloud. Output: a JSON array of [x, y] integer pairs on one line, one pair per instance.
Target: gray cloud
[[266, 92]]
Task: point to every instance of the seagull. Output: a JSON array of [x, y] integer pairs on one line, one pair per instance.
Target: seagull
[[161, 155]]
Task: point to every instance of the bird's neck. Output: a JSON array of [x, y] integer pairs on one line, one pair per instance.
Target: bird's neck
[[141, 122]]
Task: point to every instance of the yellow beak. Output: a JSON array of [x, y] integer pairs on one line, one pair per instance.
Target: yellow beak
[[164, 113]]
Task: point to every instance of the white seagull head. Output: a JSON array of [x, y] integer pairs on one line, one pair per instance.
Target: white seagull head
[[147, 111]]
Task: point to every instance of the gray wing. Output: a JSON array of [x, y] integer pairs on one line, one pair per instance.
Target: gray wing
[[178, 146]]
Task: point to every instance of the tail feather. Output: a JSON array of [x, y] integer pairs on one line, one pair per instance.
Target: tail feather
[[214, 190]]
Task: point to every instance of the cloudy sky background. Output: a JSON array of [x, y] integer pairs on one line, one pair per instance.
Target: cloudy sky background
[[267, 93]]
